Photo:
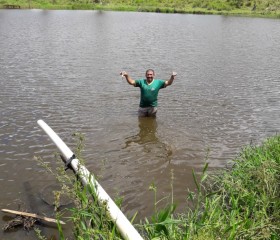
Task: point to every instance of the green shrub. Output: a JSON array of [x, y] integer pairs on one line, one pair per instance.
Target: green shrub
[[219, 6]]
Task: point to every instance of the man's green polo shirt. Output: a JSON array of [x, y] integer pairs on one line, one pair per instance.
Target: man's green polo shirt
[[149, 92]]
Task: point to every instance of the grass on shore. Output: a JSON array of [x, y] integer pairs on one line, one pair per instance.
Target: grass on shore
[[260, 8], [242, 202]]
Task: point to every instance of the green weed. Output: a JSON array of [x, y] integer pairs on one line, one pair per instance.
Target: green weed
[[242, 202], [89, 217], [260, 8]]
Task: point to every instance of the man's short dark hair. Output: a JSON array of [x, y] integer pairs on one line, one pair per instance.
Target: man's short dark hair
[[150, 70]]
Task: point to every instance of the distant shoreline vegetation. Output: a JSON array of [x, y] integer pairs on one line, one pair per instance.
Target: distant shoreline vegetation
[[257, 8]]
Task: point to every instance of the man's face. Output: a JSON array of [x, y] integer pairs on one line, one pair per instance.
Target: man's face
[[150, 75]]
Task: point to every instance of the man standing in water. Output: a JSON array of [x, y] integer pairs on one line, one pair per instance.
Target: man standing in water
[[149, 91]]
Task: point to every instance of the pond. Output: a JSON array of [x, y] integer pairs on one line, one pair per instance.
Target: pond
[[63, 67]]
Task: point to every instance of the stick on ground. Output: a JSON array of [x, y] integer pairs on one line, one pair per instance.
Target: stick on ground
[[32, 215]]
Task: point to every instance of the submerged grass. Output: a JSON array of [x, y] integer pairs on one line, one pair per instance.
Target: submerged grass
[[242, 202]]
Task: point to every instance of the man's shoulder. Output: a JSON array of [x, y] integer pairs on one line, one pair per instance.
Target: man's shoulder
[[139, 82], [159, 82]]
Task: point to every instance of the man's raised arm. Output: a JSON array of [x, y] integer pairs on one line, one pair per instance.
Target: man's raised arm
[[170, 81], [128, 78]]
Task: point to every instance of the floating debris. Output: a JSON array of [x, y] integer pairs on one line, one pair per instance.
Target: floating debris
[[26, 222], [25, 219]]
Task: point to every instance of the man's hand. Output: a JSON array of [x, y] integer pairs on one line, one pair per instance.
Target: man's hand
[[123, 73], [128, 78], [174, 74]]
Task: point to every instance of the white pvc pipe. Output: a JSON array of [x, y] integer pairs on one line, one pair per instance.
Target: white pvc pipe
[[123, 224]]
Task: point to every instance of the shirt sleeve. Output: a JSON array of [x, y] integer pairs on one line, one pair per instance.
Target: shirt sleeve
[[162, 83], [137, 83]]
